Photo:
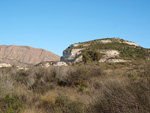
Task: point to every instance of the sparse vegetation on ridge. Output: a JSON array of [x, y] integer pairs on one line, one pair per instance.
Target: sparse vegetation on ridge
[[127, 50]]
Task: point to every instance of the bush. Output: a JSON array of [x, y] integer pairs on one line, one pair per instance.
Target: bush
[[10, 105], [47, 104], [61, 104], [78, 76], [147, 70], [91, 56], [125, 95], [6, 85]]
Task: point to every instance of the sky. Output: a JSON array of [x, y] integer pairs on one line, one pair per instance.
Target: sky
[[55, 24]]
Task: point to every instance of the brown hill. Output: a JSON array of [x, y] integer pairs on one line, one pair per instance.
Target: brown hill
[[25, 55]]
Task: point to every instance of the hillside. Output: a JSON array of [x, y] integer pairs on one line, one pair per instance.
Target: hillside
[[109, 50], [24, 55], [84, 86]]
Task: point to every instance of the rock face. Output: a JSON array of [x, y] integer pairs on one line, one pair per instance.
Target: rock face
[[70, 55], [4, 65], [24, 55], [111, 49], [52, 63]]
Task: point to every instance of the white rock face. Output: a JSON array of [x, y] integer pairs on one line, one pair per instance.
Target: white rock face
[[60, 64], [116, 60], [52, 63], [110, 56], [79, 59], [22, 68], [130, 43], [105, 41], [75, 45], [110, 53], [4, 65], [71, 55], [80, 44], [109, 41], [113, 60]]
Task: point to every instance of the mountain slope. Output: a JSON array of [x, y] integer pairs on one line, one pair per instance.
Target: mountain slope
[[110, 49], [23, 55]]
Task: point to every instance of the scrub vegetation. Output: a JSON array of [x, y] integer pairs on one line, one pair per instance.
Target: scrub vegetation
[[82, 88]]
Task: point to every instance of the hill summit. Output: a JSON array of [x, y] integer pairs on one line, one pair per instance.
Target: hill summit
[[105, 50]]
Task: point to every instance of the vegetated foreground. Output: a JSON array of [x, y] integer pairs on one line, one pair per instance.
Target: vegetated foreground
[[89, 88]]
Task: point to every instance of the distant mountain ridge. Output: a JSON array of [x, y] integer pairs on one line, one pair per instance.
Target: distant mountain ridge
[[25, 55]]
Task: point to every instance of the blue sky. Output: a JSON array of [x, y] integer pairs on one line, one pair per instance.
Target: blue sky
[[55, 24]]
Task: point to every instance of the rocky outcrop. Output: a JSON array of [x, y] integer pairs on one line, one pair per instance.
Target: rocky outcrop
[[110, 56], [4, 65], [109, 49], [70, 55], [52, 63], [24, 55]]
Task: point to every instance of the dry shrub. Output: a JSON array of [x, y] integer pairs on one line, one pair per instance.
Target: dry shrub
[[122, 95], [6, 81], [61, 104], [32, 110], [25, 96], [147, 70], [39, 89], [140, 89], [80, 74]]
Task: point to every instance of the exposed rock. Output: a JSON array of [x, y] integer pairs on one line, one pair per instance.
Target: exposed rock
[[52, 63], [22, 68], [110, 48], [130, 43], [111, 56], [78, 59], [24, 55], [110, 53], [4, 65], [105, 41], [116, 60], [70, 55]]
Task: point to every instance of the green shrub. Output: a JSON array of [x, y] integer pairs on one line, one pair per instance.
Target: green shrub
[[91, 56], [85, 58], [61, 104], [126, 51], [10, 105]]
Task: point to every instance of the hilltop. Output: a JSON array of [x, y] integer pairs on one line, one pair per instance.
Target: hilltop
[[107, 50]]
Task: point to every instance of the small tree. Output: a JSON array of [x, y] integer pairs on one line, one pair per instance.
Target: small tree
[[91, 56], [85, 57]]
